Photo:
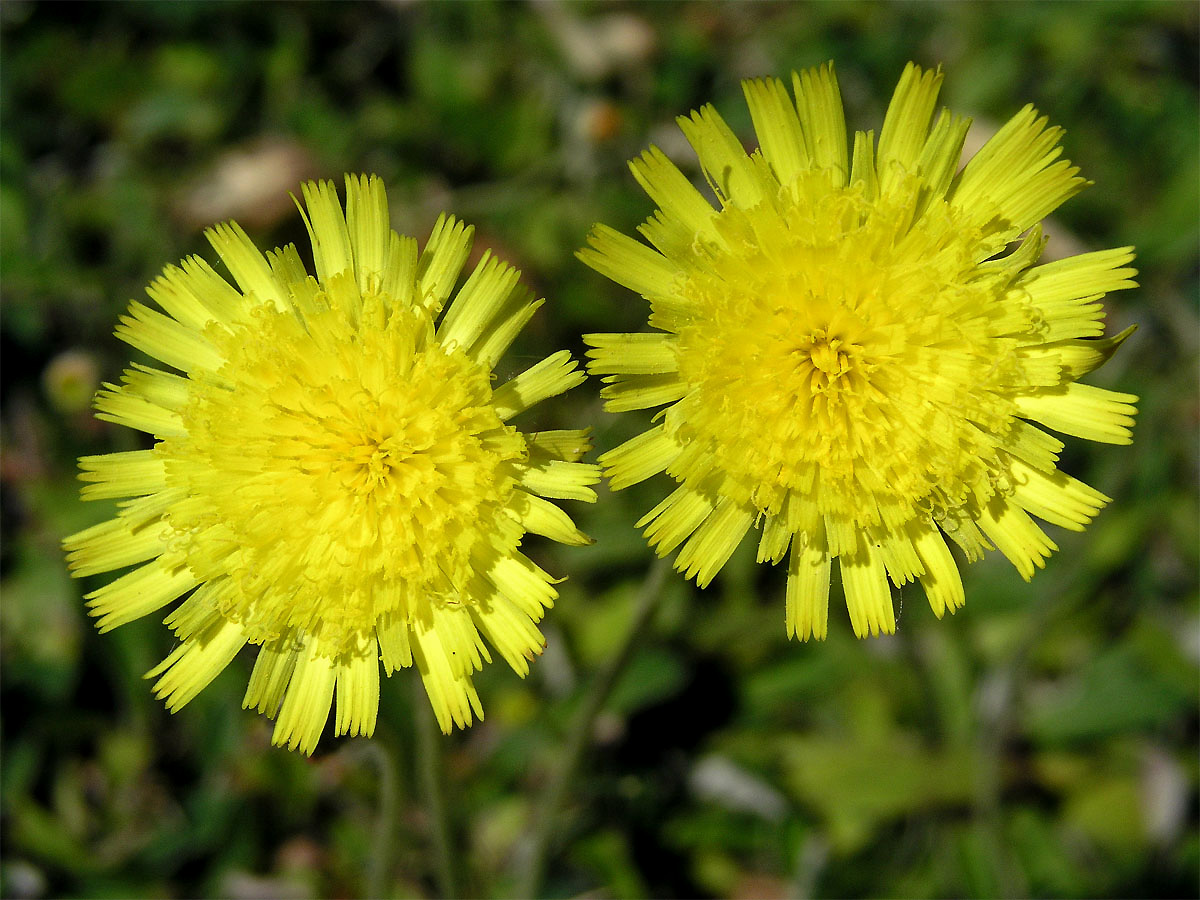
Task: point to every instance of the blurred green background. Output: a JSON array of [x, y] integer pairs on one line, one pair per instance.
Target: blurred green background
[[1041, 742]]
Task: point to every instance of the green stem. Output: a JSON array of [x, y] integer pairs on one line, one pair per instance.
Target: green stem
[[429, 762], [379, 865], [579, 737]]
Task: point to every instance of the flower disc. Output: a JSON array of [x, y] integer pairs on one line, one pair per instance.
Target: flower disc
[[366, 443]]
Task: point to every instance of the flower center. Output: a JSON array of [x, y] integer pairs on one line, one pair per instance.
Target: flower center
[[358, 438], [830, 358], [823, 341], [826, 356]]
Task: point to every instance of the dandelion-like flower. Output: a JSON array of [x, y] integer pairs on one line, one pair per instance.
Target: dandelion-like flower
[[858, 348], [333, 477]]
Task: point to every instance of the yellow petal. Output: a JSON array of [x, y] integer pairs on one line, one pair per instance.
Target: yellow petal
[[369, 228], [807, 600], [113, 545], [730, 171], [554, 375], [1055, 496], [441, 261], [822, 119], [777, 126], [642, 391], [307, 700], [628, 262], [685, 211], [358, 691], [631, 354], [561, 480], [868, 595], [1082, 410], [132, 473], [142, 591], [164, 338], [906, 124], [272, 671], [195, 663], [327, 230], [941, 579], [640, 457], [1016, 536], [714, 541], [248, 267]]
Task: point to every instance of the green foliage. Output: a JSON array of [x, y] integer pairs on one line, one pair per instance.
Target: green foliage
[[1040, 742]]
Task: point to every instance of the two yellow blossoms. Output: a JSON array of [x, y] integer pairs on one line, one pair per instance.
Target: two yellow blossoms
[[855, 350]]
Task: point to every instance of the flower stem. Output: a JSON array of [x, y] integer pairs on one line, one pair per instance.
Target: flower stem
[[579, 737], [429, 763], [387, 761]]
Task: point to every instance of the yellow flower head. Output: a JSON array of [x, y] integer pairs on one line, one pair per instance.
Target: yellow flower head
[[333, 476], [856, 347]]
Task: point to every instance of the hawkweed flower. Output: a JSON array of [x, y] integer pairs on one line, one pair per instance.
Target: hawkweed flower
[[858, 351], [333, 477]]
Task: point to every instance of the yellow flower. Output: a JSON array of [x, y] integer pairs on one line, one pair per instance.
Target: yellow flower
[[333, 476], [858, 347]]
